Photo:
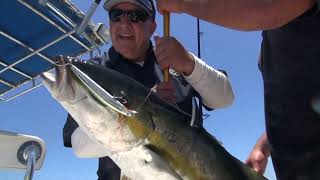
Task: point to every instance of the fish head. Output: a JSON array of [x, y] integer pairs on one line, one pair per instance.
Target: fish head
[[139, 100], [122, 88], [101, 123]]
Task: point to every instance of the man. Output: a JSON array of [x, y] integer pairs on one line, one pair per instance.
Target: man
[[132, 23], [290, 69]]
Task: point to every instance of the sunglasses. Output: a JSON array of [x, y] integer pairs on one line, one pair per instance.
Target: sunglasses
[[134, 16]]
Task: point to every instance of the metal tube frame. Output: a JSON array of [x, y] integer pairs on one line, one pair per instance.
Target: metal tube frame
[[6, 83], [38, 50], [74, 25], [26, 57], [21, 93], [15, 70], [52, 22], [33, 51], [26, 46]]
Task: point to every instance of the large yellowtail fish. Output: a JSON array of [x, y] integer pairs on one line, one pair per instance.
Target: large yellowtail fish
[[147, 137]]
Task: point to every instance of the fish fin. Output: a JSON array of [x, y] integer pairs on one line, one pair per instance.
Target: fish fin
[[158, 153]]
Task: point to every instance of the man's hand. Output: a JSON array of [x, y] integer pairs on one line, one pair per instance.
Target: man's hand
[[258, 158], [171, 54], [257, 161], [169, 6], [166, 91]]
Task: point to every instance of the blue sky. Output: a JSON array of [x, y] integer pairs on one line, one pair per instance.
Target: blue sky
[[237, 126]]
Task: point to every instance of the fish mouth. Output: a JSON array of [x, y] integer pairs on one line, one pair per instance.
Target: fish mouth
[[63, 87], [60, 82]]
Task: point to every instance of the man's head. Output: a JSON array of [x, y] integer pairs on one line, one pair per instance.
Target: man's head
[[132, 23]]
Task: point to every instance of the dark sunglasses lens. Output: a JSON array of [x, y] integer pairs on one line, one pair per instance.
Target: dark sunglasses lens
[[139, 15], [134, 16], [115, 15]]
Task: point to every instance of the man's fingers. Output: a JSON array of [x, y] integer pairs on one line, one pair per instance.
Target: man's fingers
[[164, 62], [253, 165], [259, 166], [248, 163], [167, 96], [256, 164], [163, 59], [159, 7], [256, 167], [165, 86], [158, 40], [160, 10], [160, 52]]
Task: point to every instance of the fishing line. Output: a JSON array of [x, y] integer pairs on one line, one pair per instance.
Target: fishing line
[[174, 105], [145, 99], [198, 37]]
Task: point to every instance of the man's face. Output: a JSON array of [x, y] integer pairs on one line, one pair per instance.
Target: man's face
[[131, 39]]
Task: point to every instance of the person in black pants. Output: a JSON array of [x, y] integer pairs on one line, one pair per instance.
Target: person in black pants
[[289, 64]]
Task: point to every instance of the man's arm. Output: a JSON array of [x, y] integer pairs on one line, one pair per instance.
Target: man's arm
[[244, 15], [213, 86]]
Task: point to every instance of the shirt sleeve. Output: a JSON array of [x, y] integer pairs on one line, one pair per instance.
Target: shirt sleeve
[[213, 86]]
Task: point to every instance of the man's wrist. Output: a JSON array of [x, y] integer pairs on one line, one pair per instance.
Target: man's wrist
[[190, 63]]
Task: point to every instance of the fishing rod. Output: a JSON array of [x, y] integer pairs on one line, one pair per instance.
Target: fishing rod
[[199, 34], [194, 101], [166, 31], [88, 16], [198, 37]]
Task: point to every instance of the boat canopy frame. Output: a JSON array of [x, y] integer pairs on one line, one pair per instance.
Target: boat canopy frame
[[32, 35]]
